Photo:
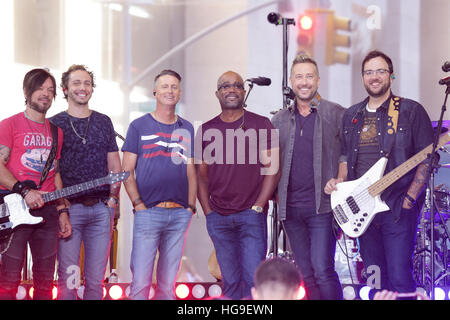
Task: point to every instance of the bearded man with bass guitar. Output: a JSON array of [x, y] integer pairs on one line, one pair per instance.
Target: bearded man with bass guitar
[[384, 126]]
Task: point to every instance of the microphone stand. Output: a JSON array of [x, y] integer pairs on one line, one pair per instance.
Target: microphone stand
[[250, 87], [286, 89], [431, 171], [287, 96]]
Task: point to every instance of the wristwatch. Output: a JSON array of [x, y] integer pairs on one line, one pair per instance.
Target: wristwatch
[[258, 209]]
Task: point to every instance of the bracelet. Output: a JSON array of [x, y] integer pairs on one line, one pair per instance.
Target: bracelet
[[410, 199], [66, 210], [136, 202], [25, 191]]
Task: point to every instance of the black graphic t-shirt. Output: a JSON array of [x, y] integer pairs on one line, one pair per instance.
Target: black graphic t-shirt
[[85, 162], [369, 147]]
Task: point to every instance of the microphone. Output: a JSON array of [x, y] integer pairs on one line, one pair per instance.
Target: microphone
[[354, 119], [446, 66], [277, 19], [445, 81], [260, 81], [274, 18]]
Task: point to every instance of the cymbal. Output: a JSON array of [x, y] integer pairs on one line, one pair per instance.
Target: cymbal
[[446, 165]]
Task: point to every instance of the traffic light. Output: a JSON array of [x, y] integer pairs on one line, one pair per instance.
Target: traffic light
[[305, 39], [335, 40]]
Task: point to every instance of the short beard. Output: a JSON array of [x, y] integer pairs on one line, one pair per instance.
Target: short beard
[[38, 108], [382, 91], [307, 99]]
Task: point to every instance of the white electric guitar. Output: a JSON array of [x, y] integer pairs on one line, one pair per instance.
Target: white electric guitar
[[18, 212], [355, 203]]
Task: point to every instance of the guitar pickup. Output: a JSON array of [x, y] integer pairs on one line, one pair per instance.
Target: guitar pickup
[[352, 205], [339, 214]]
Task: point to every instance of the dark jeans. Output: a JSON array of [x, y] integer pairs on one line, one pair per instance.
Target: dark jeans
[[240, 240], [43, 239], [389, 245], [313, 244]]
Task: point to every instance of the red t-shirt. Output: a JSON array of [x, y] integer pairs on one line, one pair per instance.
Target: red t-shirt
[[235, 171], [30, 143]]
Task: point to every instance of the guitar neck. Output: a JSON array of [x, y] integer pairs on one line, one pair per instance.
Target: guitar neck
[[394, 175], [68, 191]]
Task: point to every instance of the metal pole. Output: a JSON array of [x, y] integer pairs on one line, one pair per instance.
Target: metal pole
[[198, 36]]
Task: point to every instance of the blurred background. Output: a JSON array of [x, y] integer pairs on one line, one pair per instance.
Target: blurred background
[[126, 43]]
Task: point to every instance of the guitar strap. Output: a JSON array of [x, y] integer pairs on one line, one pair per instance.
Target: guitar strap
[[392, 123], [51, 156]]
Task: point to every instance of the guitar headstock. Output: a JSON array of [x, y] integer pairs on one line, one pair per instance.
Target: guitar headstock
[[117, 177]]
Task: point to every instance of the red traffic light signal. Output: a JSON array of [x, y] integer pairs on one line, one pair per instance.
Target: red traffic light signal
[[305, 22], [305, 39]]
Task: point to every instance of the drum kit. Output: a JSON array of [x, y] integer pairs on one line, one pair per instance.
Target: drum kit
[[422, 255], [424, 261]]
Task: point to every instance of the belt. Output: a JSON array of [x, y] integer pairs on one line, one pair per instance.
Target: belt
[[168, 205], [86, 201]]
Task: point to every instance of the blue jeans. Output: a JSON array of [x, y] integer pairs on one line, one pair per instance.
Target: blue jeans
[[313, 244], [157, 229], [389, 245], [92, 225], [240, 240], [43, 239]]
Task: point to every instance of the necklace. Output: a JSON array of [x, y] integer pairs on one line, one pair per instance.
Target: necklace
[[173, 128], [83, 139], [41, 153]]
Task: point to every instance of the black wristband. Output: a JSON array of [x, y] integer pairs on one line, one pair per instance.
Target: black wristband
[[18, 187], [410, 199], [21, 189]]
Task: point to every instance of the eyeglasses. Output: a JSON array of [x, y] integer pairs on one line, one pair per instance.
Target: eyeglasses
[[378, 72], [227, 86]]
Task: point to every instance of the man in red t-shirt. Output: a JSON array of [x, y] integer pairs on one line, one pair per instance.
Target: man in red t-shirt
[[237, 175], [25, 144]]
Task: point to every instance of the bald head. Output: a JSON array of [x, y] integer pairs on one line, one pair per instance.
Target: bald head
[[230, 90], [228, 75]]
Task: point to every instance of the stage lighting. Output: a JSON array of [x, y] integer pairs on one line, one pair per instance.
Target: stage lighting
[[214, 291], [151, 294], [364, 292], [198, 291], [54, 293], [439, 294], [301, 293], [80, 292], [182, 291], [116, 292], [21, 293], [349, 293]]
